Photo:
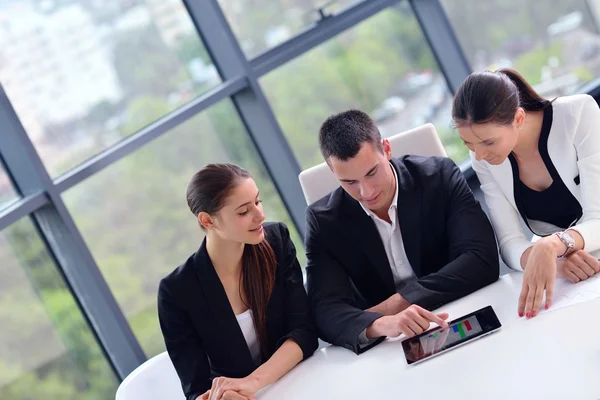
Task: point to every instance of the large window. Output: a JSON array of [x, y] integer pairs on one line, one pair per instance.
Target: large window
[[83, 74], [46, 348], [134, 215], [383, 66], [7, 192], [261, 24], [555, 45]]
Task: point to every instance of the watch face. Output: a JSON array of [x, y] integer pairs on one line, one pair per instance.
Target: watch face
[[570, 239]]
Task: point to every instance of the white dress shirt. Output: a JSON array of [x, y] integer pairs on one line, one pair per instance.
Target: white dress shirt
[[391, 236], [246, 323]]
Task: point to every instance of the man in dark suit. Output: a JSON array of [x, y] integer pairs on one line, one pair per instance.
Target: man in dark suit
[[401, 236]]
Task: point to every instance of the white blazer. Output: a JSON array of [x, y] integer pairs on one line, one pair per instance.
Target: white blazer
[[574, 148]]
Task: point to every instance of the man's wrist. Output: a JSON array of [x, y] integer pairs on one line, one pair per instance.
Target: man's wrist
[[374, 330], [401, 303]]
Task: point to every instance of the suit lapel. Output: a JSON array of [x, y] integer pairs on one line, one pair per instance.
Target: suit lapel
[[223, 316], [409, 215], [362, 231]]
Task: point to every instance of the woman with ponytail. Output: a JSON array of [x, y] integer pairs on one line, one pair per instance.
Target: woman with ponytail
[[538, 162], [235, 316]]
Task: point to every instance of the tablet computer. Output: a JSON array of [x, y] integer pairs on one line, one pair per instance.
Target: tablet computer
[[460, 331]]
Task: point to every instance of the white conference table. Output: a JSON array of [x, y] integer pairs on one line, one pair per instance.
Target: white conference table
[[555, 355]]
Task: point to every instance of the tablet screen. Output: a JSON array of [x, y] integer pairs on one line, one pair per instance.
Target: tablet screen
[[459, 331]]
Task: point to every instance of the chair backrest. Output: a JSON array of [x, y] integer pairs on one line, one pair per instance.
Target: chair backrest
[[318, 181], [156, 379]]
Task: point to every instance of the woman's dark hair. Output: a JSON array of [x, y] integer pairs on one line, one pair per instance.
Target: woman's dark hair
[[494, 97], [207, 191]]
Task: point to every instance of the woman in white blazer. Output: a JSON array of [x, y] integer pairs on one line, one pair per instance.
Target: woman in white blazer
[[538, 162]]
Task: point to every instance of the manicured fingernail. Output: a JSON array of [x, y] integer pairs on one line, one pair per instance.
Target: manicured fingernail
[[547, 306], [533, 313], [528, 315], [520, 314]]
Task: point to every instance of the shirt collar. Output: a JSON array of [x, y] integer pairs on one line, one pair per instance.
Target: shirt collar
[[394, 201]]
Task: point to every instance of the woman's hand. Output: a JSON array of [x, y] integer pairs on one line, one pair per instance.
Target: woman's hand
[[539, 276], [231, 395], [228, 395], [229, 388], [578, 266]]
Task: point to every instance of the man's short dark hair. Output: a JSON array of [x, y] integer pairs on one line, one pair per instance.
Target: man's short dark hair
[[342, 135]]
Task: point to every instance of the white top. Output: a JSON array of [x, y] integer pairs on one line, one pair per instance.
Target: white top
[[574, 148], [392, 240], [544, 357], [247, 326]]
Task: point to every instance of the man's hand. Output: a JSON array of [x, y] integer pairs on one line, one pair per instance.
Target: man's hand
[[412, 321]]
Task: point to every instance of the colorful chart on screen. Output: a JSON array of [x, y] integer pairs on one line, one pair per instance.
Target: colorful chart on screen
[[459, 331]]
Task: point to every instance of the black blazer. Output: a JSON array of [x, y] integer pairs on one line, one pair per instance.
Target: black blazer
[[201, 333], [447, 237]]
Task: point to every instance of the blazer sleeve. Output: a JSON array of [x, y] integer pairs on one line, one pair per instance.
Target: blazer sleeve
[[330, 292], [299, 324], [505, 218], [471, 244], [183, 345], [587, 145]]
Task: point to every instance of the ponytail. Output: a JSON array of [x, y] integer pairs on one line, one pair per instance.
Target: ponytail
[[494, 97], [529, 99]]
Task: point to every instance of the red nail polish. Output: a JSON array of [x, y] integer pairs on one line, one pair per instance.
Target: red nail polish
[[547, 306], [528, 315], [520, 314], [533, 313]]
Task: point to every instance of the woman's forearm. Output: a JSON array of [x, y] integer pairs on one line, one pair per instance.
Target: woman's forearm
[[280, 363]]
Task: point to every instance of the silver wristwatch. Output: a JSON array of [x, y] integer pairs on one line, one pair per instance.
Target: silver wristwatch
[[568, 241]]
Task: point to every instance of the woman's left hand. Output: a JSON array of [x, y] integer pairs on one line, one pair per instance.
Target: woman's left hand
[[539, 276], [578, 266], [245, 387], [228, 395]]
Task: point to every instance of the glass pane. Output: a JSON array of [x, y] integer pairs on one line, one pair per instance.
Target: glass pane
[[262, 24], [83, 74], [135, 218], [7, 192], [46, 348], [556, 47], [382, 66]]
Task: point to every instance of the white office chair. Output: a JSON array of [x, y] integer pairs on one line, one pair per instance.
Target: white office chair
[[156, 379], [318, 181]]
